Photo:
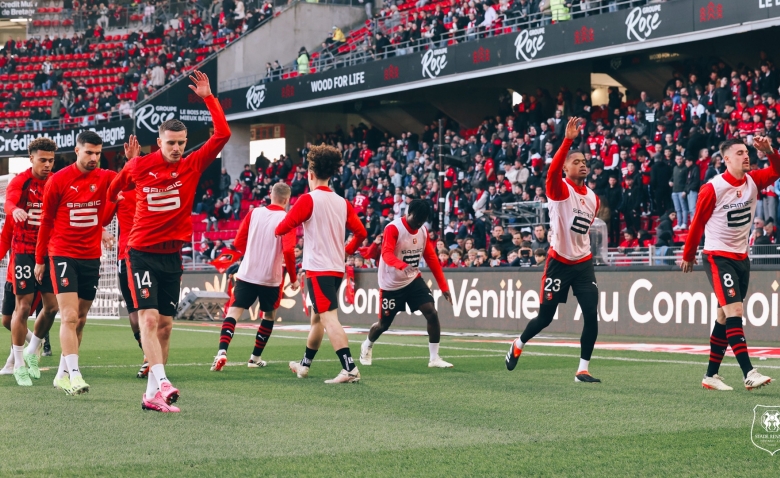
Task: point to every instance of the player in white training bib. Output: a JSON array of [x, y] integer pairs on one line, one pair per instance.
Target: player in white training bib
[[569, 263], [724, 212], [405, 242]]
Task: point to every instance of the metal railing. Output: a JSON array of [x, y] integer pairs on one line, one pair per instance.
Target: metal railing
[[125, 16], [672, 256], [57, 124], [507, 22]]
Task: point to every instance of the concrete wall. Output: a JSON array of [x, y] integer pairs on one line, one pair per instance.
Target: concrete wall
[[306, 24], [236, 153]]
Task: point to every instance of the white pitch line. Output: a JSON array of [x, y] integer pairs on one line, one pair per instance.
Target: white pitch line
[[237, 364], [471, 349]]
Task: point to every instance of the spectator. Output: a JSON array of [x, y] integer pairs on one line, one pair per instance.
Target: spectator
[[540, 257], [303, 61], [224, 183], [248, 176], [679, 177], [540, 238]]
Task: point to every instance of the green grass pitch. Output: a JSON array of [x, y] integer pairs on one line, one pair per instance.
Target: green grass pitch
[[649, 418]]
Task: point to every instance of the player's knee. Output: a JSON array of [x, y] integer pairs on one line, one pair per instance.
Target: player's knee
[[69, 316], [7, 321], [432, 317], [23, 312]]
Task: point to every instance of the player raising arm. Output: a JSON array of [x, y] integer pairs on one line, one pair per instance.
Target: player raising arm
[[74, 203], [569, 264], [165, 183], [325, 215], [260, 276], [724, 213], [401, 284]]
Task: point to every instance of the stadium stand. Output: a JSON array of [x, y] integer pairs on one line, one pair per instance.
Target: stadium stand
[[403, 28], [52, 81]]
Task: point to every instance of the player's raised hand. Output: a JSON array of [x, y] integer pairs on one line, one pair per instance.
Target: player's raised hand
[[447, 296], [132, 147], [20, 215], [687, 266], [763, 144], [201, 86], [573, 128]]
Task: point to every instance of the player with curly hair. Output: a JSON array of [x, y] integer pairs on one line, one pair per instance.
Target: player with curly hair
[[325, 215]]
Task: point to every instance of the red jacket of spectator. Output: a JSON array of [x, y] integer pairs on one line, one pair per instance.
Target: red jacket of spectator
[[490, 169], [365, 156], [360, 203], [450, 176], [630, 244], [595, 143]]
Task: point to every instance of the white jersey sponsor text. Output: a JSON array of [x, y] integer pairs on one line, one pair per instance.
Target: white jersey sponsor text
[[570, 221], [409, 248]]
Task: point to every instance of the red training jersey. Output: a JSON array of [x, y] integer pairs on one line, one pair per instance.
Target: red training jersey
[[125, 213], [74, 205], [165, 191], [6, 237], [25, 192]]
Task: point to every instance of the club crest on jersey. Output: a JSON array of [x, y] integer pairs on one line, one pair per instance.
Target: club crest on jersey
[[22, 284], [731, 292], [92, 188], [414, 241], [174, 174], [64, 282], [739, 194], [549, 296], [582, 201], [144, 293]]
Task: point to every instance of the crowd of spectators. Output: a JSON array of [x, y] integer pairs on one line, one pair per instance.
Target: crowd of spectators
[[401, 28], [144, 61], [648, 158]]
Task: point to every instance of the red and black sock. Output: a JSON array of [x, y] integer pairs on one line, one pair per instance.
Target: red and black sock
[[137, 336], [263, 334], [736, 338], [308, 357], [228, 328], [718, 346], [345, 357]]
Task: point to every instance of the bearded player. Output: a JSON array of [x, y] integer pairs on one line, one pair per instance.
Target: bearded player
[[164, 183], [405, 242], [74, 203], [24, 206], [724, 213], [325, 216], [260, 276], [569, 262]]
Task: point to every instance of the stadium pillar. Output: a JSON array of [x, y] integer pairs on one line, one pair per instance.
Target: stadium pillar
[[236, 153]]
